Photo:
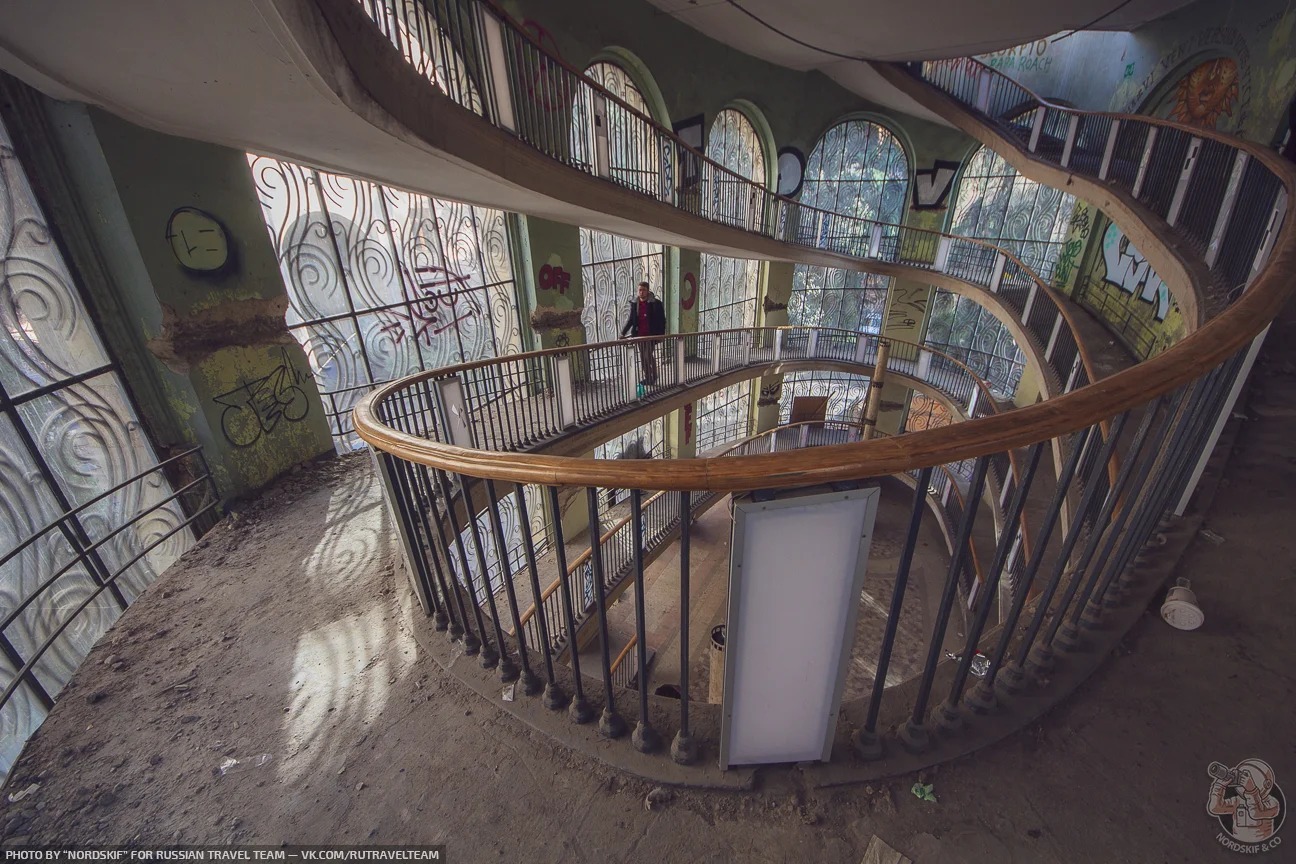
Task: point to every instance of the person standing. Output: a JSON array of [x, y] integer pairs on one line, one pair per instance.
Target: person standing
[[647, 318]]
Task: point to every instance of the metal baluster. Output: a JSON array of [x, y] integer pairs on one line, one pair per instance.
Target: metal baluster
[[554, 697], [580, 710], [684, 749], [645, 738], [914, 733], [867, 743], [611, 724], [473, 644], [530, 683], [989, 591], [508, 670], [1072, 537]]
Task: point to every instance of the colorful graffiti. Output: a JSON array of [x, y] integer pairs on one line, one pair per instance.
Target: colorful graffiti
[[1128, 270], [1207, 93]]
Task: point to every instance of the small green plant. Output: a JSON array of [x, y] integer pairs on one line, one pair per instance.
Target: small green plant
[[923, 791]]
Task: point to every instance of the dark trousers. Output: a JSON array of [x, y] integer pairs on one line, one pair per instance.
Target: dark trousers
[[648, 361]]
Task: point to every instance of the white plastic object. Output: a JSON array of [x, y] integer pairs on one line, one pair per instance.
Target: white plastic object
[[1180, 609]]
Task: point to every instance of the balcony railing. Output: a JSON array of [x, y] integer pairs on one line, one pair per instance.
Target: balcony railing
[[475, 54], [1075, 592]]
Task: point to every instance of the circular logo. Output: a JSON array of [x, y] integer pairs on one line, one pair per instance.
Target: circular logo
[[689, 296], [1248, 804]]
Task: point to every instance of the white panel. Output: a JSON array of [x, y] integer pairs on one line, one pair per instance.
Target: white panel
[[786, 619]]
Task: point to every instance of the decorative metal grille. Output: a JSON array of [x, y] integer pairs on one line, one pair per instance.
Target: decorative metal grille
[[729, 285], [69, 439], [858, 168], [724, 416], [846, 394], [831, 297], [646, 442], [635, 159], [733, 143], [383, 283], [925, 413], [612, 266], [996, 203], [965, 330]]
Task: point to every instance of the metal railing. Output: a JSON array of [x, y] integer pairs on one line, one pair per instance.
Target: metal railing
[[1064, 601], [472, 51], [89, 575], [1223, 202]]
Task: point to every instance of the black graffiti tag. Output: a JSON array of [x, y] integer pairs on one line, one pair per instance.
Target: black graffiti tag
[[256, 407]]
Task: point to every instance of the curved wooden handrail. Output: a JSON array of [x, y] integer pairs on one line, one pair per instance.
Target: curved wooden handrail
[[728, 176], [624, 653], [1182, 363]]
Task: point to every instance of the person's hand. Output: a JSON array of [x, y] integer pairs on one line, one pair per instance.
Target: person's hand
[[1248, 783]]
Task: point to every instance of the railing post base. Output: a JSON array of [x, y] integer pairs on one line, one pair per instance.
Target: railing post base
[[684, 749], [456, 631], [1040, 659], [1092, 617], [1068, 637], [508, 670], [472, 645], [555, 698], [951, 720], [580, 712], [868, 745], [981, 699], [645, 738], [914, 737], [440, 621], [531, 685], [488, 657], [1011, 679], [611, 724]]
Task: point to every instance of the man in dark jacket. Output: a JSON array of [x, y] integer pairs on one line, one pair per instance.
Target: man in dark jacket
[[647, 318]]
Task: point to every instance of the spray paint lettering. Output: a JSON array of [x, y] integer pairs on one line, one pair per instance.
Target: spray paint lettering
[[1128, 270]]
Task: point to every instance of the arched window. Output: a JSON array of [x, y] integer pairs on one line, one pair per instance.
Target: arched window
[[860, 169], [997, 204], [727, 293], [966, 330], [633, 157]]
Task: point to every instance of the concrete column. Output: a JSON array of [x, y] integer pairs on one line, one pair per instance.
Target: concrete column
[[681, 425], [773, 312], [876, 385], [233, 379], [555, 293], [908, 306]]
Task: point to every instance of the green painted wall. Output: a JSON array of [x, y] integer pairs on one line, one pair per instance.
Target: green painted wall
[[550, 266], [232, 378], [697, 75]]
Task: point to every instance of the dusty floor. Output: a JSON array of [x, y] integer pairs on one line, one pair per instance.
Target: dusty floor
[[284, 636]]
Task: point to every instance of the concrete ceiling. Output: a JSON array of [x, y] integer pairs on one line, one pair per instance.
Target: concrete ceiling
[[899, 29], [896, 30]]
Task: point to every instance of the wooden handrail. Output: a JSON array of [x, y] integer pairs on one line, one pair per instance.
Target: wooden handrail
[[578, 562], [1093, 404], [625, 652]]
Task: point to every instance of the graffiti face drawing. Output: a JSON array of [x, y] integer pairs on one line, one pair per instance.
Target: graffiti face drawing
[[1131, 272]]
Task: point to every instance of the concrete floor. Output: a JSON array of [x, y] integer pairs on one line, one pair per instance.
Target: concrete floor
[[285, 636]]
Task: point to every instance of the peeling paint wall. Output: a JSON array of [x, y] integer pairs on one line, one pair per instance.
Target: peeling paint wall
[[218, 350]]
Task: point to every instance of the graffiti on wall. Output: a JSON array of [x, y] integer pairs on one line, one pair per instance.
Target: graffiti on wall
[[1206, 93], [256, 407], [1220, 79], [1031, 57], [932, 185], [552, 277], [688, 297], [438, 309], [1073, 248], [1127, 269], [904, 319]]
